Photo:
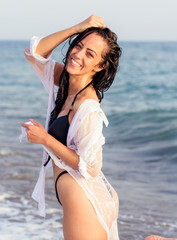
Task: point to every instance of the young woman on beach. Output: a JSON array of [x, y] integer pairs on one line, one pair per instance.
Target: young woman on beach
[[73, 138]]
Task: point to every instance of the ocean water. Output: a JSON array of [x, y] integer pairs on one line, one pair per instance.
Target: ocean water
[[139, 157]]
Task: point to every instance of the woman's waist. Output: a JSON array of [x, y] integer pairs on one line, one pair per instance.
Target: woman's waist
[[56, 170]]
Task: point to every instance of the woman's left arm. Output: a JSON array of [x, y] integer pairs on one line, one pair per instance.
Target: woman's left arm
[[38, 135]]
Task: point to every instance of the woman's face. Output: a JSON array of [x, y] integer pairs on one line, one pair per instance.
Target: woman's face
[[86, 56]]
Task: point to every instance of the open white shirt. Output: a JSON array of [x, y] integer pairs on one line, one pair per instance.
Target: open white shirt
[[86, 138]]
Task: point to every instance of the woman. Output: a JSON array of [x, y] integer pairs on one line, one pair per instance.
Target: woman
[[73, 135]]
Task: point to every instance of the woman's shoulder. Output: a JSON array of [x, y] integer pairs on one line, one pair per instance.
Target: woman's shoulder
[[86, 103], [86, 99], [89, 110], [88, 107]]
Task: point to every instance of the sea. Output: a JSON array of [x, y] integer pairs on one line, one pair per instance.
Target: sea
[[139, 156]]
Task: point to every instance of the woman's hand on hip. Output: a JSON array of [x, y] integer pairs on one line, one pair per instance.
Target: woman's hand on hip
[[36, 133], [92, 21]]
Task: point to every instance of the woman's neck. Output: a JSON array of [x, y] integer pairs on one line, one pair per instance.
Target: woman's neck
[[76, 84]]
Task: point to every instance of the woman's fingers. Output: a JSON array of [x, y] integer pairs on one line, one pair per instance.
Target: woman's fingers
[[92, 21], [96, 21], [35, 123], [25, 125], [28, 124], [36, 133]]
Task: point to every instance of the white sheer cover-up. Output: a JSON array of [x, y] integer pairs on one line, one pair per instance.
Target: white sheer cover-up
[[86, 138]]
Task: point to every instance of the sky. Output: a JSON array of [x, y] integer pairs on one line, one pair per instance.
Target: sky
[[132, 20]]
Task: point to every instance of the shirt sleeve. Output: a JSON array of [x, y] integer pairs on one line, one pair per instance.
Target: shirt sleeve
[[44, 67], [88, 141]]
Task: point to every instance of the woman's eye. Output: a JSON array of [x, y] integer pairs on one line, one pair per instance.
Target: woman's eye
[[89, 54], [78, 46]]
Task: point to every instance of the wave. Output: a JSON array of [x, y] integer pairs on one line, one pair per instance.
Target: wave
[[5, 152]]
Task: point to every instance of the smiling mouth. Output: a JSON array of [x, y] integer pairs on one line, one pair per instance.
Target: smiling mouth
[[75, 63]]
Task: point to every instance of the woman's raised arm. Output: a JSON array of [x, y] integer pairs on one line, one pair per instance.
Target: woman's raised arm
[[49, 43]]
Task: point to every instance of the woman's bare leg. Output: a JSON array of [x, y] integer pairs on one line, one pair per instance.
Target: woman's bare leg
[[79, 218]]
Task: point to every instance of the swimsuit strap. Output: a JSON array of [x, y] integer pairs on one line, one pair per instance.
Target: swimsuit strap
[[77, 95], [56, 185], [69, 112]]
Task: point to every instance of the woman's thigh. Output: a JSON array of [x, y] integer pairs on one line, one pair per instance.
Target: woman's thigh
[[80, 221]]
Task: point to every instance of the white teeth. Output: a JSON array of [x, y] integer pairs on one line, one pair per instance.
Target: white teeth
[[75, 63]]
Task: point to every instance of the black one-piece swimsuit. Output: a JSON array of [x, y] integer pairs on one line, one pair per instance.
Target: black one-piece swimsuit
[[59, 130]]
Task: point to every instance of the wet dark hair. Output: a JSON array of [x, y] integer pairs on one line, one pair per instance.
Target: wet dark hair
[[103, 79]]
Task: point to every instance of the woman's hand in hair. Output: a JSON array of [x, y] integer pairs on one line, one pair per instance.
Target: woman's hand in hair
[[92, 21]]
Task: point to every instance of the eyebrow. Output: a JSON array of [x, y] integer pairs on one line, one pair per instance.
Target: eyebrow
[[88, 48]]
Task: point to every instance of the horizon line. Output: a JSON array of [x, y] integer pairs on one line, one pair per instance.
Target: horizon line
[[122, 40]]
